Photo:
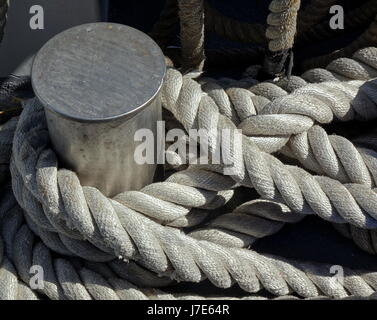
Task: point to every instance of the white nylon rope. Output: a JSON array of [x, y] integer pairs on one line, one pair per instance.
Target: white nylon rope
[[96, 238], [30, 152], [66, 279]]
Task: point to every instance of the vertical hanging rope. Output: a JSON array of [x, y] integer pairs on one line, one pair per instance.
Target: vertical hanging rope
[[280, 32], [233, 29], [191, 13], [3, 17], [163, 29]]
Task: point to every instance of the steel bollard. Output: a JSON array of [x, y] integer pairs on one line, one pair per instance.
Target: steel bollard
[[99, 83]]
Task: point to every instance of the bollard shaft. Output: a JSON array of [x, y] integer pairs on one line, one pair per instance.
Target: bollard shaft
[[99, 84]]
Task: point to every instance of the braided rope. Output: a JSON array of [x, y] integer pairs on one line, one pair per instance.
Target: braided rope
[[281, 22], [163, 29], [92, 197], [110, 229], [42, 221], [191, 13], [233, 29], [242, 106], [139, 234], [261, 170], [65, 279], [280, 33], [309, 26], [231, 229], [38, 122], [3, 17]]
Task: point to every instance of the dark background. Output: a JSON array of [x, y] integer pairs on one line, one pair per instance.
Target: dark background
[[142, 14]]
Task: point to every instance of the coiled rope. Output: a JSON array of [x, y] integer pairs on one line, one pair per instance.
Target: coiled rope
[[75, 279], [122, 247], [33, 167]]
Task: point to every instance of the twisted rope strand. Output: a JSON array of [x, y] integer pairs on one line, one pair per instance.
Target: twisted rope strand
[[163, 250], [163, 29], [64, 279], [264, 171], [191, 13], [111, 234], [138, 233], [281, 22], [233, 29], [3, 17]]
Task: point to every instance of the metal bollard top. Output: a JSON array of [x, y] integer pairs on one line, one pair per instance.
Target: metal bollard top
[[98, 72]]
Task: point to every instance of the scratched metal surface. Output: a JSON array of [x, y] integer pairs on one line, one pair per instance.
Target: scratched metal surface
[[98, 72]]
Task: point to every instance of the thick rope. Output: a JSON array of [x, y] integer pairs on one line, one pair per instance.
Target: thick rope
[[227, 229], [140, 235], [29, 150], [280, 33], [69, 279], [308, 30], [72, 280], [233, 29], [191, 13], [152, 259], [164, 28], [10, 286], [38, 122], [264, 171], [3, 17], [281, 22], [241, 101]]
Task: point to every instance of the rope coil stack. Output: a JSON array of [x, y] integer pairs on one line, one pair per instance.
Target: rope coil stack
[[139, 244]]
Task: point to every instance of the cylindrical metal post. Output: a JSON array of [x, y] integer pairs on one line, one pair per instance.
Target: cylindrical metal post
[[99, 84]]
